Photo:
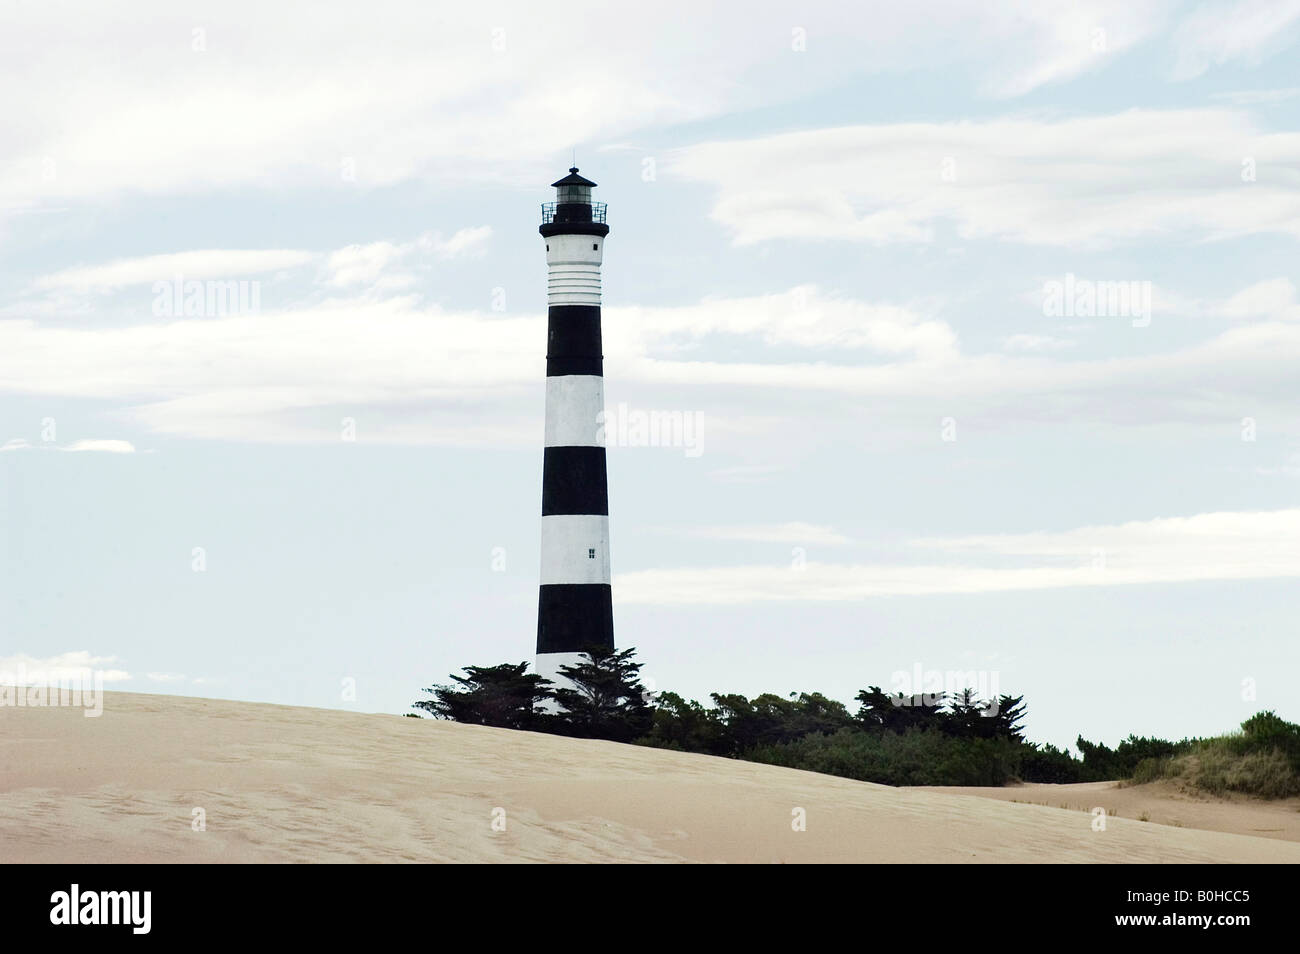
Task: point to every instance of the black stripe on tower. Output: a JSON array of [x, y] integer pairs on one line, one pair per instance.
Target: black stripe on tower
[[574, 481], [572, 617], [573, 340]]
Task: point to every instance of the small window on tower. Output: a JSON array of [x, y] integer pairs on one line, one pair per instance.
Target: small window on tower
[[548, 248], [591, 553], [593, 246]]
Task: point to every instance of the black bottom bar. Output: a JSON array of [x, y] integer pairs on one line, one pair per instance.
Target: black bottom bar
[[330, 903]]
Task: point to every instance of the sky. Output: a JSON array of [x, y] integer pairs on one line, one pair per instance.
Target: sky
[[970, 332]]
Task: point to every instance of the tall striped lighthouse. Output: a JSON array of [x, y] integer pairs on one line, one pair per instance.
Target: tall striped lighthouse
[[574, 608]]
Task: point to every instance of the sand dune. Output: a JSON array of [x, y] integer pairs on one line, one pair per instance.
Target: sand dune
[[280, 784], [1160, 803]]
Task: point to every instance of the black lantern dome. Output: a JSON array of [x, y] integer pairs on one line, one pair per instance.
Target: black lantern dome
[[573, 212]]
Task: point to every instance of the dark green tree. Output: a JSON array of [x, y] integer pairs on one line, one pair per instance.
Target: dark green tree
[[686, 726], [1010, 717], [898, 713], [506, 696], [606, 699]]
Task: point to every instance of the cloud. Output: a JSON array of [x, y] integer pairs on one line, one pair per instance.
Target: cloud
[[193, 265], [1079, 182], [33, 670], [363, 264], [1255, 97], [1036, 343], [794, 532], [804, 317], [374, 263], [462, 94], [359, 264], [1275, 298], [1212, 546], [408, 373], [101, 446], [465, 242], [1245, 32], [106, 446]]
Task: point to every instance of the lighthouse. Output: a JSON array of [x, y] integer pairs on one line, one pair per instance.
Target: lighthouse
[[574, 607]]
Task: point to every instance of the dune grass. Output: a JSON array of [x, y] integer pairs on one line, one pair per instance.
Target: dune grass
[[1262, 760]]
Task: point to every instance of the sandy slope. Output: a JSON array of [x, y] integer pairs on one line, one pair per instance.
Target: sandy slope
[[293, 784], [1160, 803]]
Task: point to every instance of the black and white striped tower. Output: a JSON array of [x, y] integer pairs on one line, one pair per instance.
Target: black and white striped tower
[[574, 609]]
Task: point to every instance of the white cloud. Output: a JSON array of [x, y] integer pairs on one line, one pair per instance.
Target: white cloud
[[1090, 181], [1212, 546], [363, 264], [1245, 31], [374, 263], [804, 317], [196, 265], [101, 446], [458, 94], [466, 242], [353, 265], [415, 374], [1254, 97], [33, 670], [107, 446], [794, 532], [1036, 343], [1275, 298], [165, 676]]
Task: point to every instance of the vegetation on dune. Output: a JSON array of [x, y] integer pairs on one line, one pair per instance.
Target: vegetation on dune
[[930, 739], [606, 700], [1263, 759]]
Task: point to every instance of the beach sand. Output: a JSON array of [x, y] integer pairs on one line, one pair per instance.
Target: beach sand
[[286, 784]]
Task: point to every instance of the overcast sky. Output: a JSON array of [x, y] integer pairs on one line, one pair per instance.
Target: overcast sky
[[836, 234]]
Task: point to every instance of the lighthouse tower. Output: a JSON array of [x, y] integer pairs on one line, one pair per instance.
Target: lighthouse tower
[[574, 609]]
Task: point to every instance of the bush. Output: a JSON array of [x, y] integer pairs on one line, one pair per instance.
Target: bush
[[1266, 731], [1048, 764], [1262, 760], [912, 757]]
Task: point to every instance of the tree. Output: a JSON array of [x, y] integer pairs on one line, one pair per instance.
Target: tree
[[606, 699], [1009, 720], [686, 726], [504, 696], [898, 713]]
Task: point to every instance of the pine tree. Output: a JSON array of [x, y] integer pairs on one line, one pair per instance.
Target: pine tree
[[504, 696], [606, 699]]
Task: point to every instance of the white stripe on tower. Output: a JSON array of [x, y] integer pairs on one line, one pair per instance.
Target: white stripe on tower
[[575, 405], [575, 548], [574, 602], [573, 269]]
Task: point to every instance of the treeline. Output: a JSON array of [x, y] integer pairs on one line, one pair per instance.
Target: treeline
[[924, 739], [606, 700]]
